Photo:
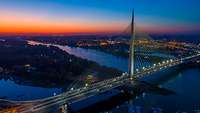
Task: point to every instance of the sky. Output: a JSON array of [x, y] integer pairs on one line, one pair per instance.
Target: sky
[[99, 16]]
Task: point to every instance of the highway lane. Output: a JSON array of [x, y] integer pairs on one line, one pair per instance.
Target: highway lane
[[95, 86], [86, 94]]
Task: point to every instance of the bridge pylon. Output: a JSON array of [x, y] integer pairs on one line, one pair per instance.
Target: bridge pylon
[[132, 49]]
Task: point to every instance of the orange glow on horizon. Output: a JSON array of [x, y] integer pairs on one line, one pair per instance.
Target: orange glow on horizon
[[29, 24], [53, 28], [15, 22]]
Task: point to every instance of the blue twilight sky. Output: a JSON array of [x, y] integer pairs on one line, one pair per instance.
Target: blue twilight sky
[[156, 16]]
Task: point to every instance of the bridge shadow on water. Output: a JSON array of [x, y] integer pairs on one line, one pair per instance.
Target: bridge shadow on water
[[128, 93], [131, 92]]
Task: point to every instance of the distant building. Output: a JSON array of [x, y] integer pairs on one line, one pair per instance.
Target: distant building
[[1, 69]]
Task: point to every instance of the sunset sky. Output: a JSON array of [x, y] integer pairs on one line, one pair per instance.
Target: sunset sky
[[98, 16]]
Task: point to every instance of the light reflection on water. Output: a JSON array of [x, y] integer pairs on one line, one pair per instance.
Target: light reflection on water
[[13, 91]]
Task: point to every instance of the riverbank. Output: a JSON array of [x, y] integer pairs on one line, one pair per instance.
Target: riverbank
[[48, 65]]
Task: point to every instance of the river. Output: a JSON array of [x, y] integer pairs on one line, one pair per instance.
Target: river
[[185, 83]]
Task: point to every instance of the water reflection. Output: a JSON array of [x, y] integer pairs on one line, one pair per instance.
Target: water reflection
[[20, 91]]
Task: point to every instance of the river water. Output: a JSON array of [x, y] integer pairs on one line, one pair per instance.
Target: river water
[[185, 83]]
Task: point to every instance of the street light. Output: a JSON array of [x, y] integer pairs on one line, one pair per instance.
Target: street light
[[86, 85], [131, 78], [54, 94]]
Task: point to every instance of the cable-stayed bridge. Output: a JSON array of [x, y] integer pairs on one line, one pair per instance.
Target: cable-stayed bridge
[[139, 56]]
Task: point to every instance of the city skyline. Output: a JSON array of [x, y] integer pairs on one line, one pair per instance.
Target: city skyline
[[76, 16]]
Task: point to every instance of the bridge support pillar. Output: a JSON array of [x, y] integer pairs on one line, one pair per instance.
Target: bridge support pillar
[[132, 49]]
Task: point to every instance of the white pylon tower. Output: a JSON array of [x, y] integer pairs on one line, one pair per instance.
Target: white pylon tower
[[132, 48]]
